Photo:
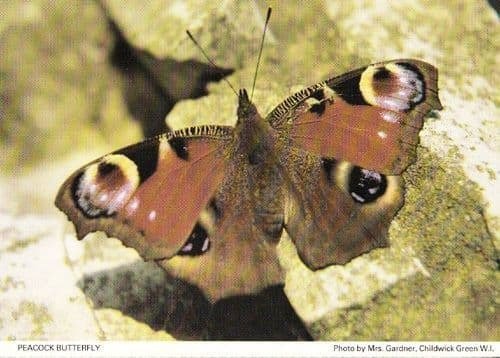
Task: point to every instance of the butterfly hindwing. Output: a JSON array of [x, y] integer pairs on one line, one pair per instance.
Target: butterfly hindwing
[[149, 195], [370, 116], [339, 211]]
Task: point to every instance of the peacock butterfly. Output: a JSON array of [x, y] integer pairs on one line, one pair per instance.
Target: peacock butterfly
[[209, 203]]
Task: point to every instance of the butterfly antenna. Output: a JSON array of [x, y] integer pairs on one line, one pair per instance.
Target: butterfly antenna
[[260, 50], [209, 59]]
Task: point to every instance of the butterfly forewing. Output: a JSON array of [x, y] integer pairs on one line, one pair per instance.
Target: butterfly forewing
[[370, 117], [151, 194]]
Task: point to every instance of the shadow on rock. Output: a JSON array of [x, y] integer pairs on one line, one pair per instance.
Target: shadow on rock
[[146, 293], [266, 316], [152, 86]]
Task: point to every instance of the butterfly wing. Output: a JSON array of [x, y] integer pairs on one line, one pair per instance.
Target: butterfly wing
[[370, 116], [369, 120], [149, 195]]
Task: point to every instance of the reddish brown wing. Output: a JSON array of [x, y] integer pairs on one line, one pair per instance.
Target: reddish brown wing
[[370, 116], [149, 195]]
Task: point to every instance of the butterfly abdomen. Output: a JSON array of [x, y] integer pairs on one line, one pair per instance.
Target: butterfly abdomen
[[269, 202]]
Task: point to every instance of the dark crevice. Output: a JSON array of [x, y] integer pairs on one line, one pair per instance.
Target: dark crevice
[[147, 101], [147, 82]]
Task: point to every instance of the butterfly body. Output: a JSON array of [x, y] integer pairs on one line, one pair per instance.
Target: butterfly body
[[210, 203]]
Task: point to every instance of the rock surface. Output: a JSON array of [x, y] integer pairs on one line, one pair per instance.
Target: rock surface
[[62, 106]]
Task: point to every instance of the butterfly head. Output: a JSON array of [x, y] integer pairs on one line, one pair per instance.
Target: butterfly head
[[246, 109]]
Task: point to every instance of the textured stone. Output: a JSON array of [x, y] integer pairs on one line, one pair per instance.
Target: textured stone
[[159, 26], [39, 302]]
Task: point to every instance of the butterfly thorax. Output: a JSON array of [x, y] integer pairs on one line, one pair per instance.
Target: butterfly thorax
[[253, 134]]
